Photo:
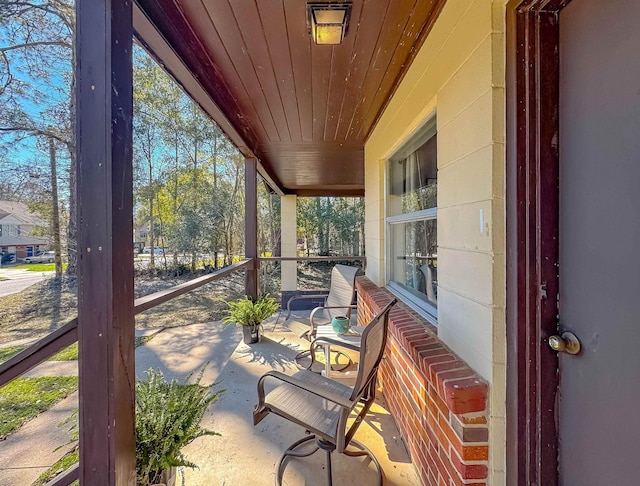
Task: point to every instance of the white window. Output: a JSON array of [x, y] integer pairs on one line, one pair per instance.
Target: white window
[[11, 229], [412, 225]]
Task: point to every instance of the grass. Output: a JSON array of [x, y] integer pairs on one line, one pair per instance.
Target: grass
[[67, 354], [64, 463], [8, 353], [142, 340], [3, 278], [25, 398], [73, 456], [38, 267]]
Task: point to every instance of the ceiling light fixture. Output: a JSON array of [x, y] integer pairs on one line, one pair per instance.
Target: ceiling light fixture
[[328, 23]]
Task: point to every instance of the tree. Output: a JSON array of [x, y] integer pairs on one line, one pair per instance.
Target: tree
[[37, 82], [332, 224], [188, 175], [55, 211]]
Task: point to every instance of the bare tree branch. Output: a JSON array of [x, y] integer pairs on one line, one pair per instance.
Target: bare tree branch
[[9, 77], [62, 11], [28, 45], [35, 132]]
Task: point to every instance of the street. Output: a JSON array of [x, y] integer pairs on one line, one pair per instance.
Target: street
[[18, 280]]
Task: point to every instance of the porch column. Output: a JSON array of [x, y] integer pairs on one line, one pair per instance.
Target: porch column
[[289, 239], [104, 104], [251, 225]]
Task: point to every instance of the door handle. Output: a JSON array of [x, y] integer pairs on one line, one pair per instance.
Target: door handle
[[567, 342]]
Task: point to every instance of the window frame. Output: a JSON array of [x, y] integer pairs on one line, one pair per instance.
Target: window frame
[[423, 307]]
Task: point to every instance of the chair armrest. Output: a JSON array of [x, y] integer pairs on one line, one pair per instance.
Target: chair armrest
[[319, 308], [303, 297], [332, 397]]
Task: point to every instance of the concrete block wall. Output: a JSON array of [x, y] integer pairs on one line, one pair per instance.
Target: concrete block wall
[[458, 76]]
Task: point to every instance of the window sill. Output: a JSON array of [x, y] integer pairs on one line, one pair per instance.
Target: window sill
[[426, 311]]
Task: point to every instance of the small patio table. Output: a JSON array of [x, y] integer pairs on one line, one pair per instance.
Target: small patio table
[[352, 337]]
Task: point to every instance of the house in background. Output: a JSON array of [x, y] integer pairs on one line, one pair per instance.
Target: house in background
[[17, 225], [140, 235]]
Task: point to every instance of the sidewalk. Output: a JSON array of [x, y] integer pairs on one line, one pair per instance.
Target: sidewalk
[[30, 451]]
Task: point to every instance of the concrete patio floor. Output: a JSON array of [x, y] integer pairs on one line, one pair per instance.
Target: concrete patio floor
[[244, 454]]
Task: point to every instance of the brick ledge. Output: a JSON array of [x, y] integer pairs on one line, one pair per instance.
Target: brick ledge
[[461, 388]]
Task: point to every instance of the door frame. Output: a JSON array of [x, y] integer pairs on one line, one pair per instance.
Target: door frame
[[532, 204]]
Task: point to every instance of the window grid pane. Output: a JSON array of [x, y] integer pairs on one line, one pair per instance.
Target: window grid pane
[[414, 258]]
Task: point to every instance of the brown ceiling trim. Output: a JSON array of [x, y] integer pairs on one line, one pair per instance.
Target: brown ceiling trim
[[276, 44], [300, 59], [422, 36], [269, 182], [341, 61], [238, 47], [330, 191]]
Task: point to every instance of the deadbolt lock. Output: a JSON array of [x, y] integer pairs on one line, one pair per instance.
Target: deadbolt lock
[[565, 343]]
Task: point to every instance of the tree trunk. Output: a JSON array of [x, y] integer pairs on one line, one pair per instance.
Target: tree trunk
[[72, 233], [174, 195], [55, 212], [276, 242], [152, 261]]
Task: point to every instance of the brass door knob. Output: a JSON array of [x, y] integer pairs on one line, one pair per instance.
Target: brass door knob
[[565, 343]]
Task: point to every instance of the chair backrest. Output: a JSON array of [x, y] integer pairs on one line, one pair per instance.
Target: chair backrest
[[342, 290], [374, 338]]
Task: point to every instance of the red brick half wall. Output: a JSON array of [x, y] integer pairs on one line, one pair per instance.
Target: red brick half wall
[[438, 402]]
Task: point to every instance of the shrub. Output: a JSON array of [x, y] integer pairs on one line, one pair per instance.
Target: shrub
[[168, 418]]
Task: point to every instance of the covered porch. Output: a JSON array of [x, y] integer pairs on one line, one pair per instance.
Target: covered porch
[[302, 115]]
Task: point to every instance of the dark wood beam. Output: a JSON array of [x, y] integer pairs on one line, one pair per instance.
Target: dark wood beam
[[251, 225], [270, 181], [533, 73], [104, 97], [152, 300], [38, 352]]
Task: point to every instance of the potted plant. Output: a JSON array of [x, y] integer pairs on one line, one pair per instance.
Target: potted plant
[[249, 314], [168, 416]]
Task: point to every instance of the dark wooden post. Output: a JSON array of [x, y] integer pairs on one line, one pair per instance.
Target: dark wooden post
[[251, 225], [104, 97]]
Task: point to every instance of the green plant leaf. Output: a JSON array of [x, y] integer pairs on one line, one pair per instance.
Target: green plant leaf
[[168, 416]]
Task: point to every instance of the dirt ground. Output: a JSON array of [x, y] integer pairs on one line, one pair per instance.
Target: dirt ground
[[45, 306]]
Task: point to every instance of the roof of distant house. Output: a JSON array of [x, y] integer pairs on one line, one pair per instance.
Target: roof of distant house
[[23, 240], [20, 211]]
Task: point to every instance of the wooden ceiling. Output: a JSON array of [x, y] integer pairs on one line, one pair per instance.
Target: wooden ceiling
[[304, 110]]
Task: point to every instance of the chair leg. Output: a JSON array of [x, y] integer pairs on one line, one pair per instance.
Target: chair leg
[[291, 452], [328, 448], [329, 477]]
